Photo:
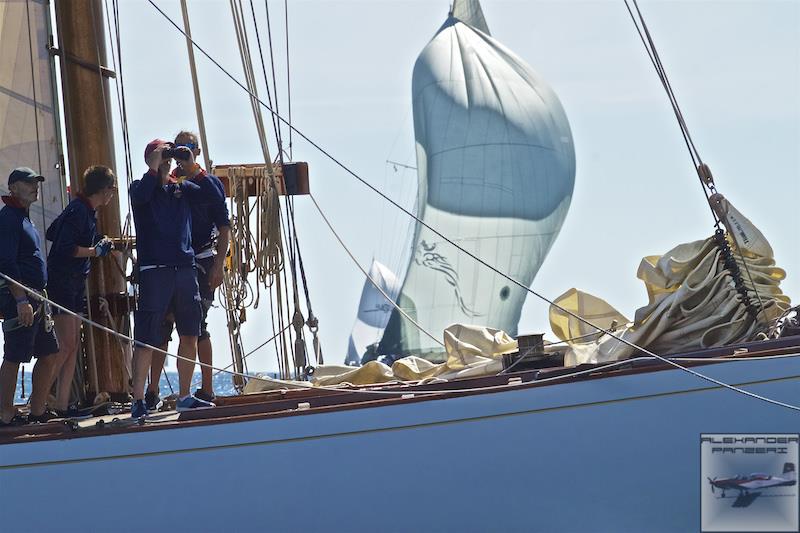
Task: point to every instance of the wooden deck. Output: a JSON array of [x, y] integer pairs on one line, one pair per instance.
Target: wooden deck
[[298, 402]]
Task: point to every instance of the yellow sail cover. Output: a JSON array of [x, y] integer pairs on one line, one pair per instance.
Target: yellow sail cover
[[693, 302]]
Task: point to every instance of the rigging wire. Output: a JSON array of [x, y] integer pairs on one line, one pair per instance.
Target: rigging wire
[[703, 171], [288, 73], [33, 90], [299, 384], [465, 251], [264, 69], [374, 283]]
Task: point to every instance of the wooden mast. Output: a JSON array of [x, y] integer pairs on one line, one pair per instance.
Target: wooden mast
[[90, 141]]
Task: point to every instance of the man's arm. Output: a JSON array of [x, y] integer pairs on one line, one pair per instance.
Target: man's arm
[[142, 190], [9, 267], [217, 270], [9, 251]]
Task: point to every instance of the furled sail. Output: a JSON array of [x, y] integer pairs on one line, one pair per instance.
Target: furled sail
[[28, 115], [496, 167], [374, 311]]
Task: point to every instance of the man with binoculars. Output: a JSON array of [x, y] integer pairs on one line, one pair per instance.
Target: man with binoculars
[[162, 209]]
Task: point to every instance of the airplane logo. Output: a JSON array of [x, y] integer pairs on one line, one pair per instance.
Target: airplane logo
[[744, 484]]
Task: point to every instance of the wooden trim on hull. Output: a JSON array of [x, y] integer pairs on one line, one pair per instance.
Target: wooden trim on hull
[[284, 403]]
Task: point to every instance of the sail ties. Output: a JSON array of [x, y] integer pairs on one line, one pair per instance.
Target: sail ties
[[703, 173]]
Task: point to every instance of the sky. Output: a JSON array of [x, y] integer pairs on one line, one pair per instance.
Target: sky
[[734, 66]]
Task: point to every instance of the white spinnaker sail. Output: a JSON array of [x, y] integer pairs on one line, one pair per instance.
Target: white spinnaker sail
[[496, 167], [28, 115], [374, 311]]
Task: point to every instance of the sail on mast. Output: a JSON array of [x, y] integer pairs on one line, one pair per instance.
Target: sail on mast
[[29, 133], [496, 168]]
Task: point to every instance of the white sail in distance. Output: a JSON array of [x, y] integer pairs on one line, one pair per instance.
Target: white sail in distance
[[374, 311], [29, 135], [496, 169]]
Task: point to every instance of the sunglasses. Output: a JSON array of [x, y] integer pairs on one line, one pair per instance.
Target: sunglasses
[[190, 146]]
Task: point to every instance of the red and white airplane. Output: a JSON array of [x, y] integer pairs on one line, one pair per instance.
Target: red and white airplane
[[744, 484]]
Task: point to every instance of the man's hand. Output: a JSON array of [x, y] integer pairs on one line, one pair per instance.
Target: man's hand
[[216, 274], [154, 160], [25, 314], [103, 247], [186, 158]]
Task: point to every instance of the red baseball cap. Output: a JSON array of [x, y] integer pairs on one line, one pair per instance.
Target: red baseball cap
[[152, 145]]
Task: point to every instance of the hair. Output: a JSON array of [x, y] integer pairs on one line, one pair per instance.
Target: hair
[[96, 178], [190, 135]]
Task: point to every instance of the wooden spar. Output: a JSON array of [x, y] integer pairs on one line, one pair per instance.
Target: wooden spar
[[90, 141]]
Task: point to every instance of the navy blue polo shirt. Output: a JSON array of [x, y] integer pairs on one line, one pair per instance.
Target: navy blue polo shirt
[[21, 255], [162, 215], [208, 214], [75, 226]]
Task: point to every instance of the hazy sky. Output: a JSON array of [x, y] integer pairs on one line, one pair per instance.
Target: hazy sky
[[734, 65]]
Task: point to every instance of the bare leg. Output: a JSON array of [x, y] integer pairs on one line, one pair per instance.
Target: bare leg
[[8, 385], [42, 381], [67, 328], [141, 364], [156, 366], [204, 354], [188, 349]]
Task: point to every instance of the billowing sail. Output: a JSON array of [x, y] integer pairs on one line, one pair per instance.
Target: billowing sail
[[28, 115], [496, 167], [374, 311]]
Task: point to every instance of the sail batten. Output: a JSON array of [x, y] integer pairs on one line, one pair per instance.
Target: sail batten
[[29, 134]]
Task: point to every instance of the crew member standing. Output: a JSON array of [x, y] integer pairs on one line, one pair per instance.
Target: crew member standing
[[27, 326], [75, 240], [166, 264], [211, 233]]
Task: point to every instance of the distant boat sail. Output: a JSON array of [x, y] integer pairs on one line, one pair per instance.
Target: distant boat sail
[[496, 167], [374, 311]]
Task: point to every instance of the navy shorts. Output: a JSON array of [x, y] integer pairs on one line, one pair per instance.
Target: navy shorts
[[204, 266], [23, 343], [68, 290], [166, 288]]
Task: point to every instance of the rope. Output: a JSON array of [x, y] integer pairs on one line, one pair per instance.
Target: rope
[[395, 393], [703, 172], [467, 252], [195, 382], [264, 70], [374, 283], [35, 101], [33, 88], [288, 73], [198, 103]]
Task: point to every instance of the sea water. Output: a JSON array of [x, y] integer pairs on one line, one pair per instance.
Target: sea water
[[223, 384]]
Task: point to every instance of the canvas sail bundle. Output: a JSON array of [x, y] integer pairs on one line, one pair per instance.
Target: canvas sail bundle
[[693, 301], [496, 168], [471, 351]]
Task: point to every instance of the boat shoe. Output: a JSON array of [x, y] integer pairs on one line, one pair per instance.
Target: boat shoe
[[43, 418], [153, 401], [191, 403], [138, 409], [201, 394]]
